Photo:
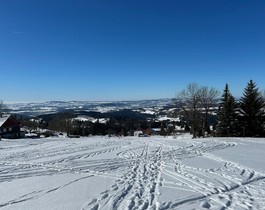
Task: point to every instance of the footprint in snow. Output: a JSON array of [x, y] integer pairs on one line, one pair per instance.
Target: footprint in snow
[[104, 196]]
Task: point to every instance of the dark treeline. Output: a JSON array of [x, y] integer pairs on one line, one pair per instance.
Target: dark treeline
[[119, 123], [245, 117]]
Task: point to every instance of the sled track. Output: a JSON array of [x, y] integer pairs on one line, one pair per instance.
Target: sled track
[[136, 189], [32, 162], [228, 187], [139, 170]]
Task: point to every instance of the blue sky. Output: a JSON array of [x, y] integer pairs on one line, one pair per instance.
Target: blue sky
[[128, 49]]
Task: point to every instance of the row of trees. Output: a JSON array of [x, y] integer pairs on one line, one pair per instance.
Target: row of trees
[[245, 117], [65, 122]]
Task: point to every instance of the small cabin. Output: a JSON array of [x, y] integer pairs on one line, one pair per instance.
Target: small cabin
[[9, 127]]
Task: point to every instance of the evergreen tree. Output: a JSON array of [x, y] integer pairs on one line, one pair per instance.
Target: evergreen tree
[[163, 131], [227, 115], [252, 111], [3, 108]]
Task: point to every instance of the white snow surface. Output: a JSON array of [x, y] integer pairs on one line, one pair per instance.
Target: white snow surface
[[164, 118], [132, 173]]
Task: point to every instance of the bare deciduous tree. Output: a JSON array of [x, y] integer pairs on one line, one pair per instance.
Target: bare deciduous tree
[[207, 98], [195, 100], [189, 100]]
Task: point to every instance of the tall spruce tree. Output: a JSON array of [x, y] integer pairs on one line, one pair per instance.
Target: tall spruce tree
[[227, 115], [252, 111]]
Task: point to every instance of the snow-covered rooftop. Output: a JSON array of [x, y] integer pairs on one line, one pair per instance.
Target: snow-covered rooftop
[[3, 119]]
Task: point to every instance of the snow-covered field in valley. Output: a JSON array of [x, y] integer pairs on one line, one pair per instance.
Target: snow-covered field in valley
[[132, 173]]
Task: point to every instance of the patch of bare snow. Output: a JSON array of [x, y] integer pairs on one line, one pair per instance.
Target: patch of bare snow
[[164, 118]]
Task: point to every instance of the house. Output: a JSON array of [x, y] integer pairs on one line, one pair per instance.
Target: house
[[9, 127]]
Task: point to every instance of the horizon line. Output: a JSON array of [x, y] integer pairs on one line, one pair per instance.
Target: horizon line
[[102, 101]]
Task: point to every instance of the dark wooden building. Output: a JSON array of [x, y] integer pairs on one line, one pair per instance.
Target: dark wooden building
[[9, 127]]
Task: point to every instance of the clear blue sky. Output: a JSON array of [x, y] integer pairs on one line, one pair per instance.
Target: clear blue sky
[[128, 49]]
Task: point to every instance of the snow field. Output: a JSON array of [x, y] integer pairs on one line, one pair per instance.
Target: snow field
[[132, 173]]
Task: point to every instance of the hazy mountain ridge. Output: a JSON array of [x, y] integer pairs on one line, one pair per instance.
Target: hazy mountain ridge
[[51, 107]]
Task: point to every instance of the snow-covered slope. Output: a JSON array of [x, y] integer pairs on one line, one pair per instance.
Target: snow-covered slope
[[132, 173]]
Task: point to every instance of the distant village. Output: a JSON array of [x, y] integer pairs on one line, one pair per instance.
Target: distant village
[[65, 124]]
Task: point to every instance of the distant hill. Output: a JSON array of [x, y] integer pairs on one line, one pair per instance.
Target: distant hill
[[52, 107]]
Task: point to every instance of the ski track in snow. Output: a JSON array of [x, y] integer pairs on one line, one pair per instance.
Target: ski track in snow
[[141, 169]]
